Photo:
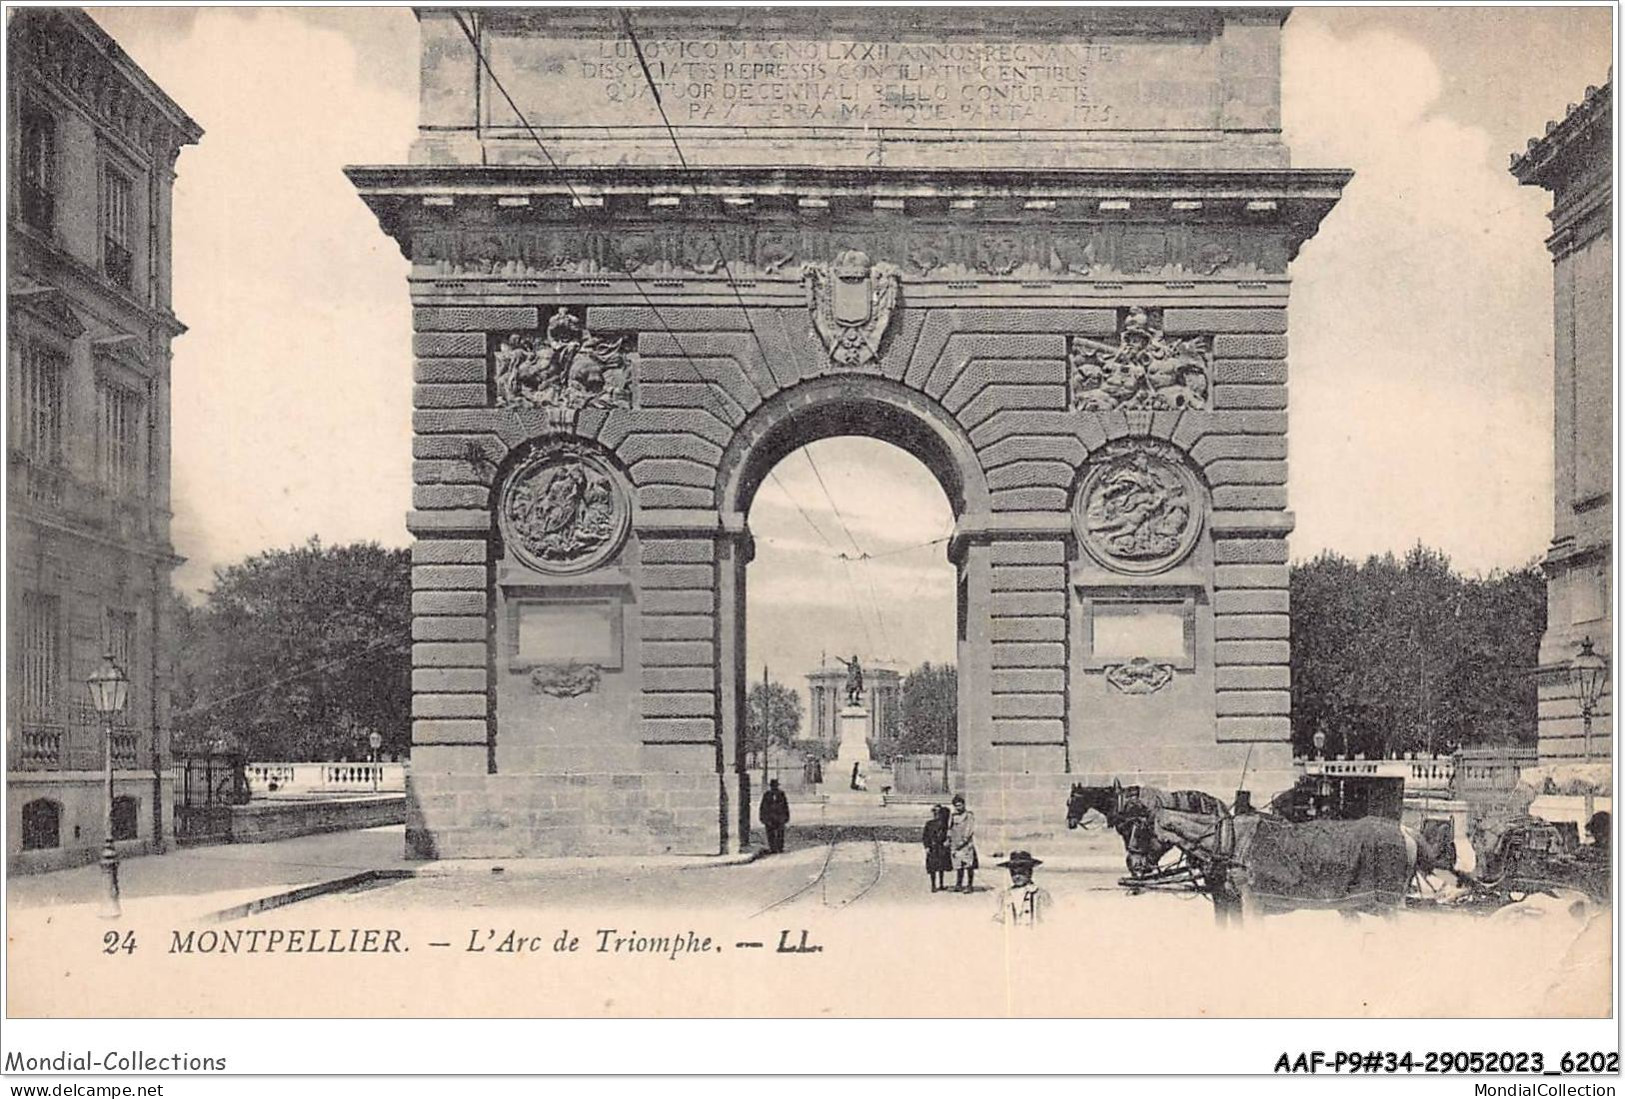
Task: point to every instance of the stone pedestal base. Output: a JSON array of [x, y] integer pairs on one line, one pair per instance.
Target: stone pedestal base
[[854, 751]]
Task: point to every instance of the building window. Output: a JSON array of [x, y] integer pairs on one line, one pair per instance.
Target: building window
[[117, 204], [37, 419], [1589, 599], [36, 169], [42, 824], [38, 663], [120, 639], [119, 439], [126, 811]]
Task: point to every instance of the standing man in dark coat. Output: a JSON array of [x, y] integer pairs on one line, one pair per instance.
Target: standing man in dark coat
[[775, 814]]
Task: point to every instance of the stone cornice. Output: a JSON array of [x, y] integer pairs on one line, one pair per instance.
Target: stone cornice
[[1548, 162], [53, 262], [886, 23], [377, 182], [499, 199], [65, 50]]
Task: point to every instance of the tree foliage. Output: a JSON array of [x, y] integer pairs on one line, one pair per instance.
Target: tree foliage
[[300, 653], [1406, 655], [930, 710], [783, 712]]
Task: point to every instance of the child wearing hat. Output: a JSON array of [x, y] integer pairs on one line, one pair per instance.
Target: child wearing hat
[[1023, 904]]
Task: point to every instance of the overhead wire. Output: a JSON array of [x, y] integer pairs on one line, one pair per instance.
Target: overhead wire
[[296, 676], [708, 385], [711, 386], [722, 256]]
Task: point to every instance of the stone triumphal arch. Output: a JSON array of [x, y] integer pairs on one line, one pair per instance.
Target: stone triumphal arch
[[1045, 251]]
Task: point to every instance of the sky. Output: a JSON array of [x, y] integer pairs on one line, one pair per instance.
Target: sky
[[1421, 313]]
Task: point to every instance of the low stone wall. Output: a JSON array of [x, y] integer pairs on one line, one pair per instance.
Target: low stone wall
[[263, 821], [538, 816]]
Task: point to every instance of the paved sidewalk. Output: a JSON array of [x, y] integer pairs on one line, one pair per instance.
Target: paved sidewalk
[[222, 869], [200, 880], [193, 882]]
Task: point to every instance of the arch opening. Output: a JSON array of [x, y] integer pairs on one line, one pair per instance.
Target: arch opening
[[847, 556], [870, 407]]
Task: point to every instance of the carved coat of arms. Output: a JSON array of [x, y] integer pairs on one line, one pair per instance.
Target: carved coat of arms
[[852, 303], [1145, 370]]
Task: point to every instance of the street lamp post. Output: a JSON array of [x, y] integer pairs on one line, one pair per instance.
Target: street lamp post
[[1588, 672], [109, 691]]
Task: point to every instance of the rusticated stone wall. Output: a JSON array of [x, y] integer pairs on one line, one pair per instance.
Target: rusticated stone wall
[[1072, 310], [642, 759]]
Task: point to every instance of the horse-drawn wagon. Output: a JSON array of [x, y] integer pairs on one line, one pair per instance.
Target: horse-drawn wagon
[[1305, 852]]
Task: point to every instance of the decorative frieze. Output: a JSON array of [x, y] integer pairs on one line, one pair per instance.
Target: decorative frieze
[[1144, 371], [923, 249]]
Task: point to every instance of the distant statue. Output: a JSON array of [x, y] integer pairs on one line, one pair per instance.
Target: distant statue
[[854, 680]]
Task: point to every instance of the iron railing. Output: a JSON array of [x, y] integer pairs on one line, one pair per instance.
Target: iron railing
[[118, 263]]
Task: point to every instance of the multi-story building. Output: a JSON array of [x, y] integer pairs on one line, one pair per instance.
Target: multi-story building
[[91, 164], [1574, 161]]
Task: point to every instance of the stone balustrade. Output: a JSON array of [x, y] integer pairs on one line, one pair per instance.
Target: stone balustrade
[[1426, 773], [274, 779], [76, 747]]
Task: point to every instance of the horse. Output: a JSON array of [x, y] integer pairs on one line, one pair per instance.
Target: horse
[[1102, 799], [1256, 862], [1127, 808]]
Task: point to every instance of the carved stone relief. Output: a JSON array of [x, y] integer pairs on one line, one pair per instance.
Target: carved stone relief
[[926, 249], [564, 367], [1139, 676], [564, 680], [1139, 509], [852, 303], [1145, 370], [564, 510]]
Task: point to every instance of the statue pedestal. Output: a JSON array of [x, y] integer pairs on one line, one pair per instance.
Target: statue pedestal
[[854, 726]]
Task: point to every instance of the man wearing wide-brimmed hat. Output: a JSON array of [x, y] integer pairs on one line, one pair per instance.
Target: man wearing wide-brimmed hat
[[1023, 904]]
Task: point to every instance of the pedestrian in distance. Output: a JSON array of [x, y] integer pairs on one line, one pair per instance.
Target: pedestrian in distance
[[1022, 904], [775, 814], [962, 846], [935, 838]]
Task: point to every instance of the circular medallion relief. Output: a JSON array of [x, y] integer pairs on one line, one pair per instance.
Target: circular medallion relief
[[1139, 510], [564, 511]]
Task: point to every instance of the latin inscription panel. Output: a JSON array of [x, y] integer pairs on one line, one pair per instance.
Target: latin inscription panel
[[1093, 84]]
